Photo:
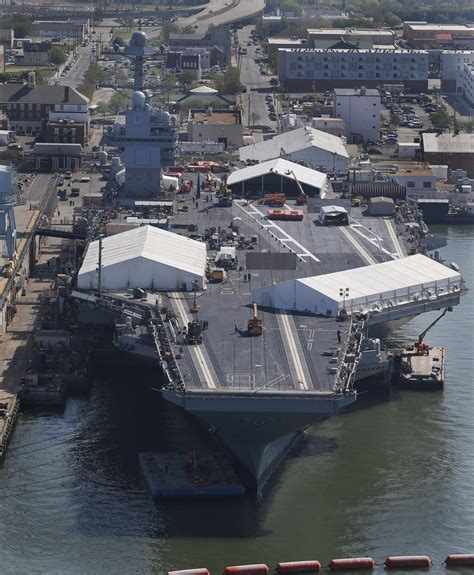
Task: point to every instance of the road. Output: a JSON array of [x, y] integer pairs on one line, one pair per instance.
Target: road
[[257, 84], [219, 12]]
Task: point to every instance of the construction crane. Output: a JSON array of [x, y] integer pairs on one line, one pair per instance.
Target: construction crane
[[302, 199], [424, 332], [254, 326]]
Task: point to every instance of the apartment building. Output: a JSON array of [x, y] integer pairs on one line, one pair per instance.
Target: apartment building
[[468, 83], [351, 35], [319, 70], [452, 69]]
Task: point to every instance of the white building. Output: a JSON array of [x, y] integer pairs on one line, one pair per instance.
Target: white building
[[321, 69], [360, 110], [319, 150], [452, 69], [145, 257], [334, 126], [468, 83], [370, 288]]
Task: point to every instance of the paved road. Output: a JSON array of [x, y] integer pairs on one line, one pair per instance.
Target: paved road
[[257, 84], [219, 12]]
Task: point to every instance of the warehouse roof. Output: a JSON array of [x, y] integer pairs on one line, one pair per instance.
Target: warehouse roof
[[293, 141], [280, 167], [148, 242], [448, 143], [388, 276], [56, 94]]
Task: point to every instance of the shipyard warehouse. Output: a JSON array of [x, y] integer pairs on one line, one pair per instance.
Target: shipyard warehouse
[[147, 258]]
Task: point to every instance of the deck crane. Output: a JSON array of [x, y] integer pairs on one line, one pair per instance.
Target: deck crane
[[302, 199], [420, 344]]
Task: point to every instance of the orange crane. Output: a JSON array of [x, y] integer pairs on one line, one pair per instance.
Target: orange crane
[[302, 199]]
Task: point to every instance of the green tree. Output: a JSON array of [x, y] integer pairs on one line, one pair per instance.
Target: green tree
[[254, 117], [57, 55], [229, 83], [187, 77], [441, 119], [170, 28], [119, 101], [22, 25], [392, 20]]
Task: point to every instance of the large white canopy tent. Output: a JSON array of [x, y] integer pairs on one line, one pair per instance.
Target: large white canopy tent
[[366, 289], [145, 257]]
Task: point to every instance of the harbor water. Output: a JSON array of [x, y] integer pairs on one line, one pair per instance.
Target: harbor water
[[392, 476]]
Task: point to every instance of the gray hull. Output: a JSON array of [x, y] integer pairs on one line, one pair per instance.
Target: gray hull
[[259, 431]]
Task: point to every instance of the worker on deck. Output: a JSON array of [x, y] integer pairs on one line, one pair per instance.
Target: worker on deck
[[339, 337]]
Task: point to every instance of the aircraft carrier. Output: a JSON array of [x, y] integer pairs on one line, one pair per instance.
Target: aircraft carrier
[[258, 390], [257, 375]]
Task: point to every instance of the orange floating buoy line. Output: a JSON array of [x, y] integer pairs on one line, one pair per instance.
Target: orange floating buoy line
[[298, 567], [460, 559], [257, 569], [348, 564], [351, 563], [408, 561]]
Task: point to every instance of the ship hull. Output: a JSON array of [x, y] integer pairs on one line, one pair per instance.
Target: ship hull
[[259, 431]]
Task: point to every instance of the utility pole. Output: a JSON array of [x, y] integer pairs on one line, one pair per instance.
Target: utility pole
[[100, 266], [248, 113]]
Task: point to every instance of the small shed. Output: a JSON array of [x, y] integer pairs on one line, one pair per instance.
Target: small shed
[[381, 206]]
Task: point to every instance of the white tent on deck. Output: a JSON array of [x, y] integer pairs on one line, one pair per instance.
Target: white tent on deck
[[145, 257], [366, 289]]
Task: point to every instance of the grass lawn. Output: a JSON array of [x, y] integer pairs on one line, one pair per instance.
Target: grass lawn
[[124, 33]]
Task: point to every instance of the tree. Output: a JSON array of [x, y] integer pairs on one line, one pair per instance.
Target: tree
[[119, 101], [187, 77], [254, 117], [57, 55], [229, 83], [22, 25], [119, 41], [441, 119]]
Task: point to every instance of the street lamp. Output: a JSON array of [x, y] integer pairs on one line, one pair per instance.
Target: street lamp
[[344, 293]]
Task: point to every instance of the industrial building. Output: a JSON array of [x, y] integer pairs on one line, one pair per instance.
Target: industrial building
[[34, 54], [317, 70], [423, 34], [360, 110], [278, 176], [319, 150], [369, 289], [145, 257], [454, 150], [216, 126]]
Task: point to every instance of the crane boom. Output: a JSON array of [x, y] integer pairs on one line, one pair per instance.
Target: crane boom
[[424, 332], [303, 198]]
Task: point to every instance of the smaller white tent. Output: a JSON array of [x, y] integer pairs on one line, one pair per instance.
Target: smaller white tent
[[366, 289], [144, 257]]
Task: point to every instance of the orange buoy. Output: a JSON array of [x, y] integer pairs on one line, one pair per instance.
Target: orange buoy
[[460, 559], [402, 561], [298, 567], [352, 563], [257, 569], [198, 571]]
